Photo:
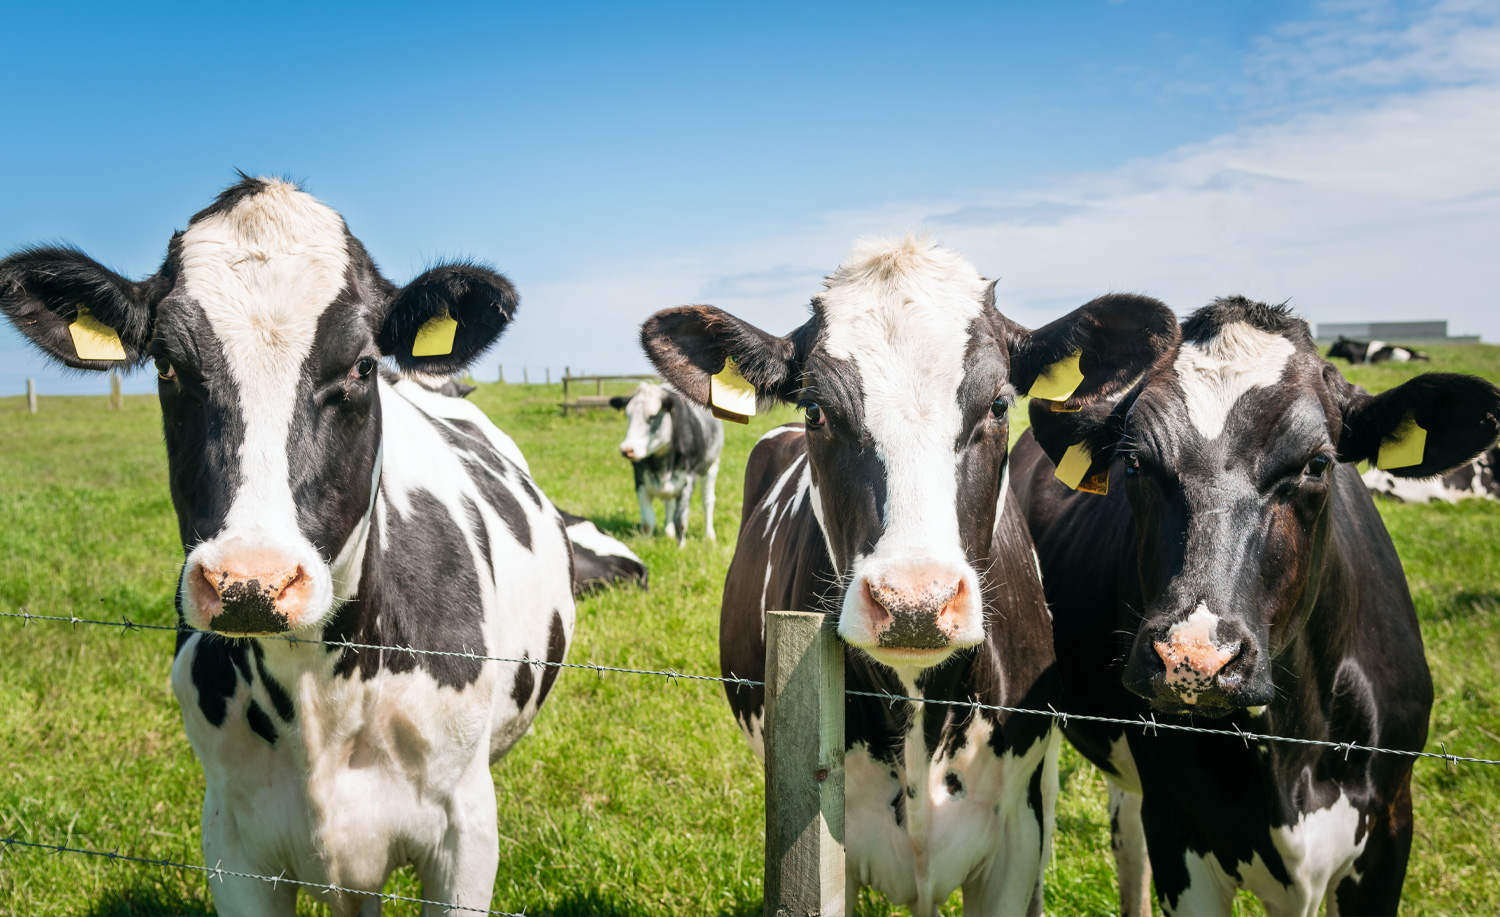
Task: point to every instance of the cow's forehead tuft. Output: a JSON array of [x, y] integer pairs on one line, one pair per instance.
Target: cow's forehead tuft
[[1214, 372]]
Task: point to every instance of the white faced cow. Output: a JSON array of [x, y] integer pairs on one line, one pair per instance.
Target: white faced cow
[[889, 508], [1237, 573], [672, 444], [317, 499]]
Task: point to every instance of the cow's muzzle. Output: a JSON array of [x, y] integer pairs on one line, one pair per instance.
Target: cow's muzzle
[[1185, 669], [913, 613], [248, 593]]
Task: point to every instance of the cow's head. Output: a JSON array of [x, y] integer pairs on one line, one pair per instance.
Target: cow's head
[[649, 415], [906, 372], [1343, 348], [1233, 454], [266, 324]]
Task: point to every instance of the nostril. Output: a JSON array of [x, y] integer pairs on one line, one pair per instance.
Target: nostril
[[299, 578], [215, 580], [1232, 668], [878, 610]]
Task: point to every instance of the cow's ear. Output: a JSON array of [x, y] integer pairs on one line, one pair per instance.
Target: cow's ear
[[1427, 426], [443, 320], [690, 344], [618, 402], [77, 311], [1096, 351]]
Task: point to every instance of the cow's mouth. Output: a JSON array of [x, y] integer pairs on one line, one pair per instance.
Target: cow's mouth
[[905, 656]]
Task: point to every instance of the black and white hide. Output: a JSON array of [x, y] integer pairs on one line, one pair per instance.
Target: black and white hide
[[1374, 352], [1477, 480], [672, 444], [889, 508], [319, 500]]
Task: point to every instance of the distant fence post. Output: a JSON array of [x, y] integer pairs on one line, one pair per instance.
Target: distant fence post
[[548, 371], [525, 375], [804, 737], [116, 400], [502, 373], [31, 395]]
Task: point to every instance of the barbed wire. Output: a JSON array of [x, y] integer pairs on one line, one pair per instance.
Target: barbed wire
[[1149, 724], [218, 872]]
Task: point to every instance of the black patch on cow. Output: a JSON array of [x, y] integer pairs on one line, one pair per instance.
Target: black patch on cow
[[260, 722], [421, 590], [557, 648], [215, 662], [898, 807], [281, 702], [520, 691], [498, 495], [481, 534], [1034, 796], [531, 490]]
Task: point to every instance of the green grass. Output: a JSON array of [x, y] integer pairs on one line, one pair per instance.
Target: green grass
[[631, 795]]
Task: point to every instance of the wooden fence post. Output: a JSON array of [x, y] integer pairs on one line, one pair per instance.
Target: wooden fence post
[[501, 368], [525, 375], [31, 395], [804, 766], [548, 371], [116, 400]]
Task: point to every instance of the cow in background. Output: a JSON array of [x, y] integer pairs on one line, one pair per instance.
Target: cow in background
[[319, 499], [1237, 575], [1478, 480], [1373, 352], [889, 509], [672, 444]]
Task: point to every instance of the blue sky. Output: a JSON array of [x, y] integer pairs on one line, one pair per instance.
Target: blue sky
[[615, 160]]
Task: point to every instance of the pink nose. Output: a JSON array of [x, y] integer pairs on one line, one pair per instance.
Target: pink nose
[[628, 452], [251, 592], [917, 608]]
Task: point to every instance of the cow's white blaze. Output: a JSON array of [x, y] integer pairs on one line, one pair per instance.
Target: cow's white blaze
[[901, 313], [264, 272], [650, 427], [1216, 373]]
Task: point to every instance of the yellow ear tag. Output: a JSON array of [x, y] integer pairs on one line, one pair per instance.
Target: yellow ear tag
[[94, 340], [1059, 381], [435, 337], [1406, 446], [1074, 465], [1097, 483], [730, 397], [1061, 407]]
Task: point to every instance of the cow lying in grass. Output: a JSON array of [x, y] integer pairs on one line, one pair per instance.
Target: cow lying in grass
[[1236, 573], [319, 500]]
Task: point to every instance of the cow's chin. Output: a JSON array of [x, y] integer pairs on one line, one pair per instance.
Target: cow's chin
[[1207, 711], [910, 657]]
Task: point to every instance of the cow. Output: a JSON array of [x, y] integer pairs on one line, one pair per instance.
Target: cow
[[888, 508], [1236, 575], [1374, 352], [671, 444], [1477, 480], [317, 499]]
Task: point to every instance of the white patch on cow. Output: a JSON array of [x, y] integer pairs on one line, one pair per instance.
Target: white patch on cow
[[587, 535], [901, 311], [435, 405], [1216, 373], [1372, 349], [264, 272], [1400, 355], [774, 432], [776, 509], [1422, 490]]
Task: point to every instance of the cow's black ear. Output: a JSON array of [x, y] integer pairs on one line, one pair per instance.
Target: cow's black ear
[[689, 344], [618, 402], [442, 321], [1110, 342], [77, 311], [1458, 417]]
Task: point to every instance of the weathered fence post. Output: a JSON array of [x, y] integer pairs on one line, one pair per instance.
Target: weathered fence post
[[31, 395], [501, 369], [525, 375], [548, 371], [804, 766], [116, 400]]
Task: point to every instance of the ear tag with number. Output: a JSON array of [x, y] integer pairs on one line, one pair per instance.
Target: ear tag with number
[[730, 397], [435, 337], [1062, 407], [1405, 447], [1074, 465], [1059, 381], [94, 340]]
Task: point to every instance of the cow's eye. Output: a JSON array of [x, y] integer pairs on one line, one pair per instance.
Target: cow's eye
[[815, 416], [1132, 463], [364, 367], [1319, 465], [998, 407], [165, 370]]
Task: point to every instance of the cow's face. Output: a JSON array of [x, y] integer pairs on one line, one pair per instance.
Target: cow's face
[[266, 325], [906, 373], [648, 413], [1231, 460]]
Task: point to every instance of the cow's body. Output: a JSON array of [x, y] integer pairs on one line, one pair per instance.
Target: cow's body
[[673, 447], [1478, 480], [600, 560], [937, 799], [1369, 352], [1237, 574], [889, 508], [321, 500]]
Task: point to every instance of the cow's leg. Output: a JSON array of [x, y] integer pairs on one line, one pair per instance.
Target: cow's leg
[[684, 505], [1210, 891], [1128, 839], [235, 896], [1011, 883], [669, 509], [1381, 868], [710, 478], [648, 513], [462, 869]]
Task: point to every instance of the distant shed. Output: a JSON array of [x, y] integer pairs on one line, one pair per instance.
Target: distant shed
[[1393, 332]]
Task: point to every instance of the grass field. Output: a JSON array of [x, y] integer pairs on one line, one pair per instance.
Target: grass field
[[632, 795]]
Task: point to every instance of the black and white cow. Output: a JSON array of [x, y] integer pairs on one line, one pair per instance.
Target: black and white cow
[[317, 499], [1374, 352], [1238, 574], [1477, 480], [672, 444], [889, 508]]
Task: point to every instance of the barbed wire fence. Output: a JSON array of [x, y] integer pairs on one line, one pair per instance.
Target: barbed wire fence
[[1148, 724]]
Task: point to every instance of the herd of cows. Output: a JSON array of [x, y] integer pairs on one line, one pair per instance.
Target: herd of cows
[[1181, 533]]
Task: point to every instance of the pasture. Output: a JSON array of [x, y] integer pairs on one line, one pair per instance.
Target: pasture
[[633, 794]]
